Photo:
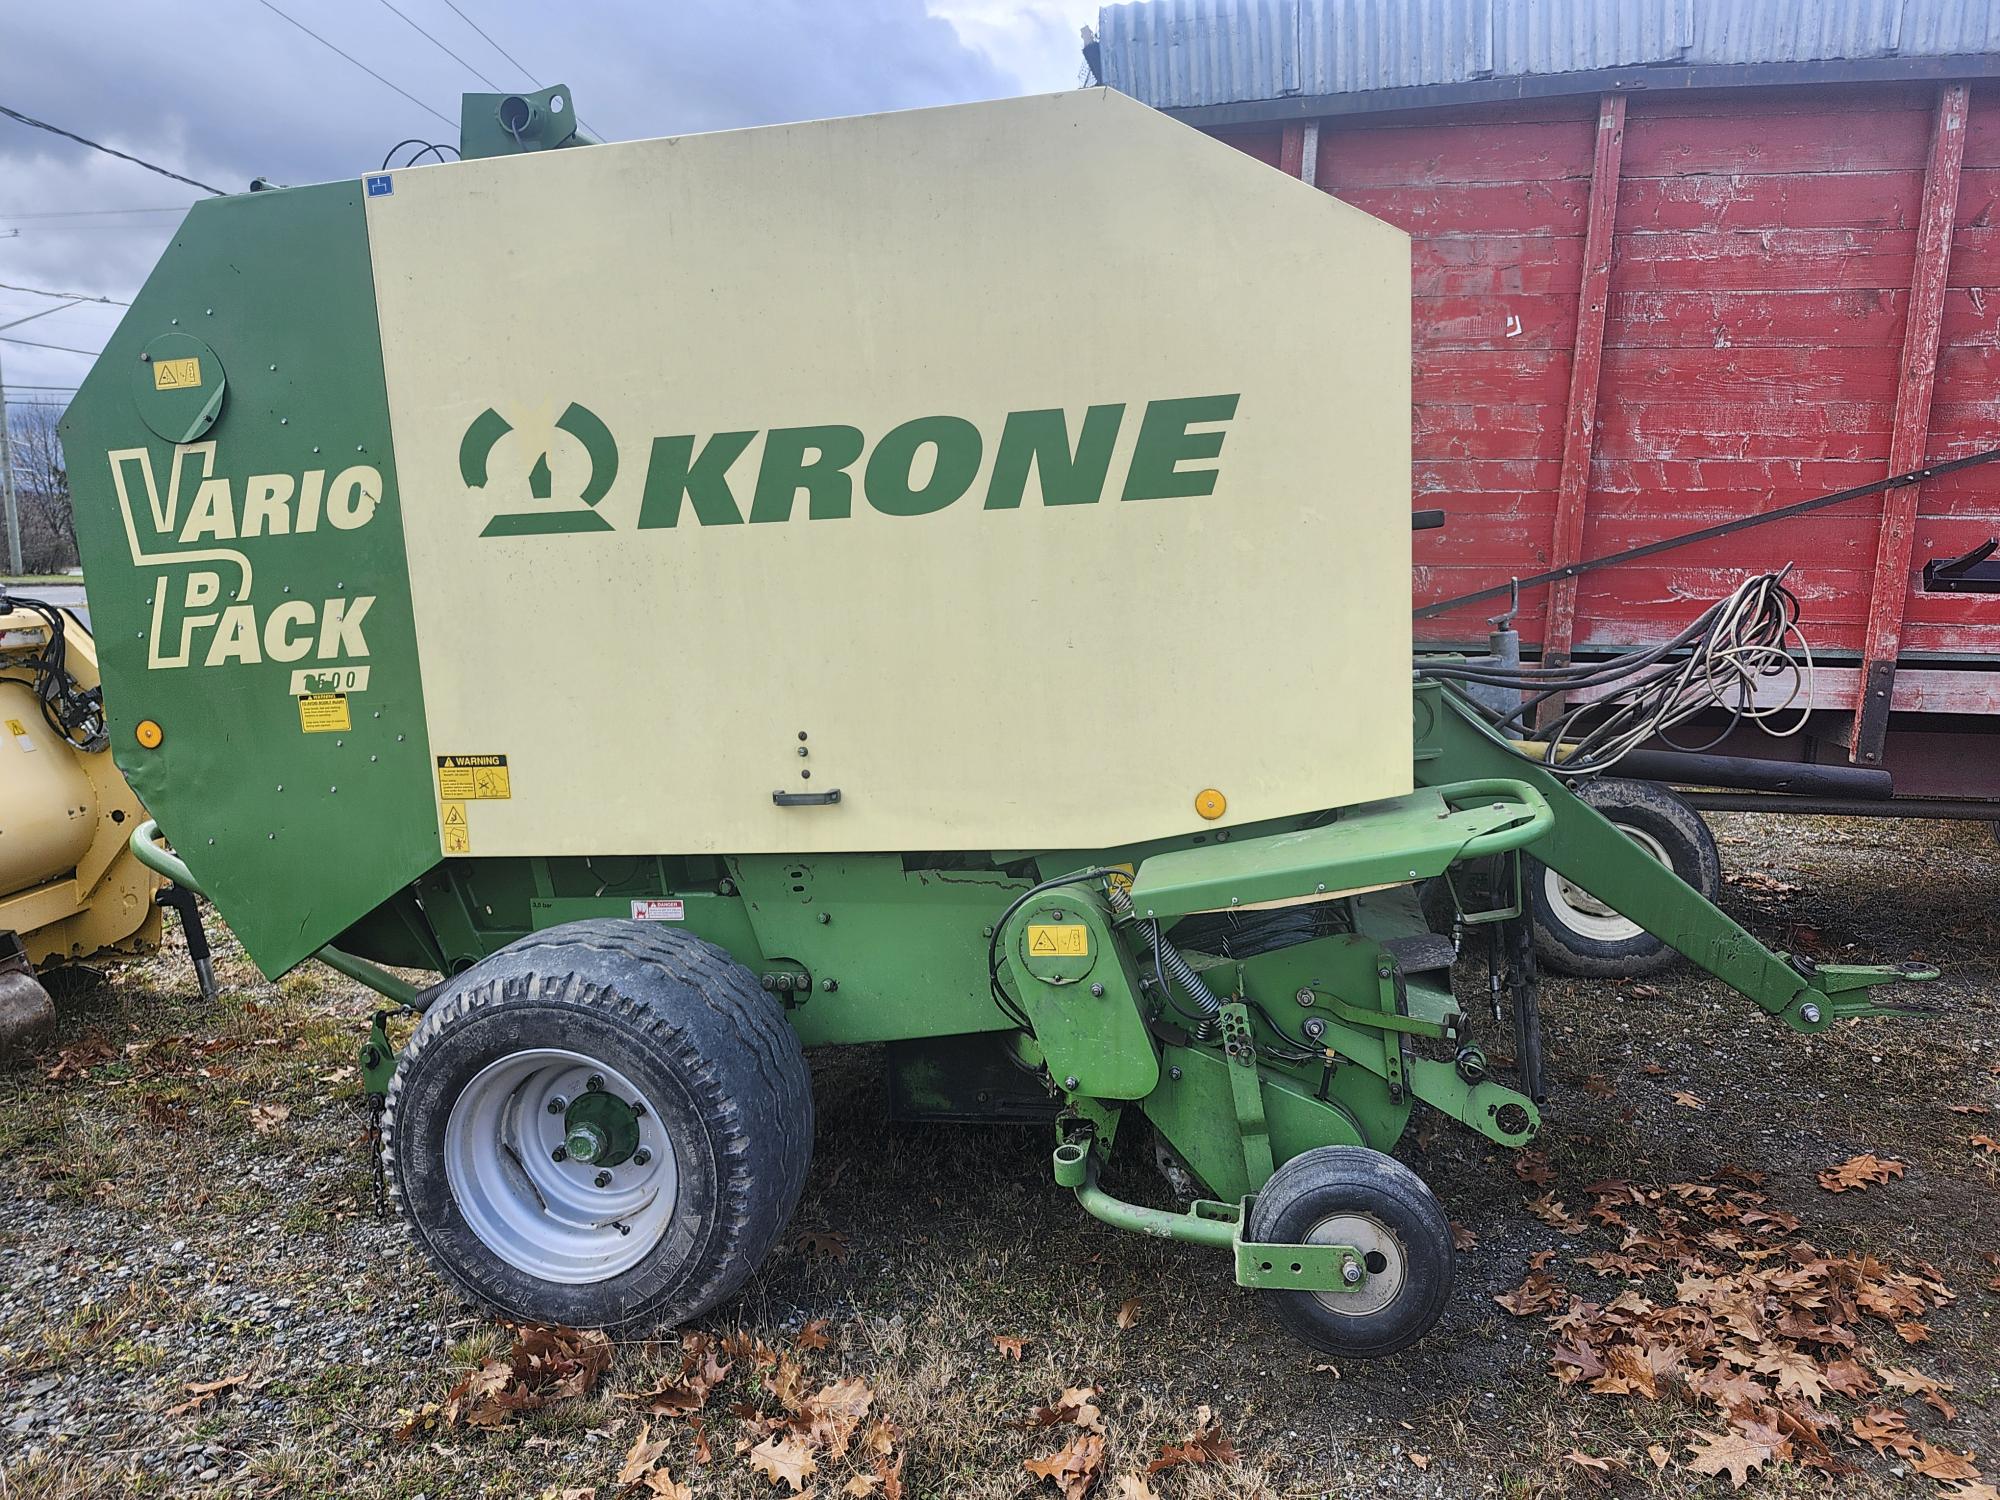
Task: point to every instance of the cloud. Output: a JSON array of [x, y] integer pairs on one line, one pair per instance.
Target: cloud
[[224, 93]]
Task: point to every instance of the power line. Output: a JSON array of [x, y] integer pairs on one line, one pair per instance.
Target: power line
[[15, 385], [8, 286], [44, 313], [89, 213], [15, 114], [439, 45], [59, 348], [353, 59]]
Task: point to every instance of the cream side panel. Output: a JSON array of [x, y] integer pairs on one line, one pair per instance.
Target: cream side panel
[[1049, 676]]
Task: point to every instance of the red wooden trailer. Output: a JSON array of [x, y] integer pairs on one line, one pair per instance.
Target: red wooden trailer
[[1655, 297]]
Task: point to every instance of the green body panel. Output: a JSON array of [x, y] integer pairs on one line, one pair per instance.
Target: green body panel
[[1084, 1006], [290, 391]]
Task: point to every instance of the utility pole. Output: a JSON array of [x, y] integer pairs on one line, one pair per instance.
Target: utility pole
[[7, 483]]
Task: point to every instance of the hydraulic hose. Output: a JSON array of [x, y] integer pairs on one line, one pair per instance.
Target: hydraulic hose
[[1173, 967]]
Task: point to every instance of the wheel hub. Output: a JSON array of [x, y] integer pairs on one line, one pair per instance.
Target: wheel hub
[[530, 1151], [1373, 1283]]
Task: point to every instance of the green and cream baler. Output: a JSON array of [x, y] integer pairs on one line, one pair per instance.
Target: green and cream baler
[[888, 580]]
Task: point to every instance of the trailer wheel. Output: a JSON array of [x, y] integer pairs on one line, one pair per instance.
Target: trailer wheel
[[605, 1124], [1350, 1195], [1575, 933]]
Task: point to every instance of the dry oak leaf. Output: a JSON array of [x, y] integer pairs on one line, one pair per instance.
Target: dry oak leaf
[[1533, 1166], [265, 1118], [1011, 1347], [1659, 1455], [1132, 1487], [1916, 1383], [1884, 1429], [1859, 1172], [641, 1456], [1127, 1315], [1073, 1467], [784, 1460], [1985, 1143], [200, 1390], [833, 1412], [813, 1335], [826, 1244], [1207, 1445], [1971, 1489], [1968, 1109], [1729, 1453], [861, 1486], [1461, 1237], [1942, 1464], [666, 1487], [1797, 1372], [1421, 1460], [1688, 1101]]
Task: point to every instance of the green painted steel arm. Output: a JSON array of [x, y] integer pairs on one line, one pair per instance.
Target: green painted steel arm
[[1452, 744], [146, 849]]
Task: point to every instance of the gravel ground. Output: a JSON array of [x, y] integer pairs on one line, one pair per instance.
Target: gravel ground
[[187, 1201]]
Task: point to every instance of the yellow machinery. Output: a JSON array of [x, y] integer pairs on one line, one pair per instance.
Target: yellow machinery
[[69, 885]]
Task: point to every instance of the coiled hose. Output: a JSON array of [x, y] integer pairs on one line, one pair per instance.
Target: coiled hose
[[1173, 968]]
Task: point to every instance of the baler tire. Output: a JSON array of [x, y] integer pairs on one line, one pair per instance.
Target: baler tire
[[1327, 1186], [1668, 828], [722, 1072]]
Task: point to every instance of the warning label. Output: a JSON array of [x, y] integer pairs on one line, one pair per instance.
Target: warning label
[[176, 374], [320, 713], [468, 778], [457, 837], [20, 733], [658, 909], [1058, 940]]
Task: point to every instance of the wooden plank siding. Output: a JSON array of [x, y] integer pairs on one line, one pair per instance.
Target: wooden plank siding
[[1763, 244]]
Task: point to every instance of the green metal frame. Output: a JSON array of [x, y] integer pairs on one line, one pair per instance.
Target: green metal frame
[[892, 948]]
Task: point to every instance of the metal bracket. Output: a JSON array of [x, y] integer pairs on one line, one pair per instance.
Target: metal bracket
[[806, 799], [1970, 574], [1246, 1092]]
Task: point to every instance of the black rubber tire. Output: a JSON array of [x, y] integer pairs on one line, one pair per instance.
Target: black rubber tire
[[693, 1029], [1328, 1180], [1690, 847]]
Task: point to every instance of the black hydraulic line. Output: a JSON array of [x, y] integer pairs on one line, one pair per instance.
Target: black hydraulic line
[[1709, 533], [1958, 808], [1749, 772]]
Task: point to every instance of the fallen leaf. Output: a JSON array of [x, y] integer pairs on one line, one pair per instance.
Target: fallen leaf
[[199, 1391], [1659, 1455], [1985, 1143], [1011, 1347], [265, 1118], [823, 1244], [1859, 1172], [813, 1335], [543, 1365], [1132, 1487], [1688, 1101], [1073, 1467], [1462, 1238], [1590, 1464], [1206, 1445], [666, 1487], [784, 1460], [1421, 1460], [1884, 1429], [1729, 1453], [641, 1456], [1968, 1109], [1942, 1464], [1128, 1313]]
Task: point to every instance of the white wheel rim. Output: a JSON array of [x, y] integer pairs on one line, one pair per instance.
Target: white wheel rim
[[1586, 916], [540, 1213], [1382, 1256]]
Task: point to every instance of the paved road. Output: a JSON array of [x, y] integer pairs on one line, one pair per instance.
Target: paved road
[[63, 595]]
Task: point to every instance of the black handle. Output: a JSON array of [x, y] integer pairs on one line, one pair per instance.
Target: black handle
[[806, 799]]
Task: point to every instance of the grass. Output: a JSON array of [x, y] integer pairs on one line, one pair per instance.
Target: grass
[[955, 1237]]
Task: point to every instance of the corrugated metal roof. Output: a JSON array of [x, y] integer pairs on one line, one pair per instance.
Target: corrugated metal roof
[[1179, 54]]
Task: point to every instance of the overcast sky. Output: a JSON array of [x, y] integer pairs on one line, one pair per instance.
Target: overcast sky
[[227, 90]]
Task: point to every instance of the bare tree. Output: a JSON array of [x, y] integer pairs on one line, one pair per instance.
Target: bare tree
[[41, 480]]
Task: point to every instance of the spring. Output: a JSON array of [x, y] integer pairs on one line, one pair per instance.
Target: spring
[[1176, 969]]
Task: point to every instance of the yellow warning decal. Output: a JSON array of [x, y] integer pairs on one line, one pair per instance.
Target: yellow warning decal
[[176, 374], [16, 727], [457, 837], [464, 778], [1058, 940], [321, 713]]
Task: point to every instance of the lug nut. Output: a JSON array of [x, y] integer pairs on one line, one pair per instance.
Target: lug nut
[[558, 1104], [641, 1157], [639, 1106], [595, 1083], [602, 1179], [559, 1154]]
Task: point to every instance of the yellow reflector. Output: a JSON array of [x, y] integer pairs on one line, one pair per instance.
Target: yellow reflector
[[1210, 803], [148, 734]]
